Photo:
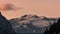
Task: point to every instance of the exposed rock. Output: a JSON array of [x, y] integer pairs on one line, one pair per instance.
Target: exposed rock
[[31, 24]]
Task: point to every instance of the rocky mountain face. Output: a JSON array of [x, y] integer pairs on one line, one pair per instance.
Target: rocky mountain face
[[32, 24], [5, 26]]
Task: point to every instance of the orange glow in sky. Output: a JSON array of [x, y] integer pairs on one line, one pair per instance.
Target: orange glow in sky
[[49, 8]]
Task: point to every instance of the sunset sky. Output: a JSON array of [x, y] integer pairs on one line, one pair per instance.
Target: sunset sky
[[49, 8]]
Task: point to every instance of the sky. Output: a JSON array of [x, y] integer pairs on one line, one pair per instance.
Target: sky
[[49, 8]]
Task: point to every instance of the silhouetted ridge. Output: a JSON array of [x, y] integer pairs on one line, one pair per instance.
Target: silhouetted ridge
[[25, 17], [5, 26], [54, 29]]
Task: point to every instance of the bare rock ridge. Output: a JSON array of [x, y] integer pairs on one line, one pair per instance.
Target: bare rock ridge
[[5, 26], [32, 24]]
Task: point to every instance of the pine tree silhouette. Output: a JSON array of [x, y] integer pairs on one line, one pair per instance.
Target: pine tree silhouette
[[54, 29], [5, 26]]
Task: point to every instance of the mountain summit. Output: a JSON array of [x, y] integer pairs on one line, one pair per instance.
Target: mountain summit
[[31, 24]]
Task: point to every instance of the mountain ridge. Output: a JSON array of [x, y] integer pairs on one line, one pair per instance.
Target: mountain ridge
[[32, 23]]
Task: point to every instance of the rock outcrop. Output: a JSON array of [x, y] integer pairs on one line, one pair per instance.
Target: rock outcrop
[[31, 24]]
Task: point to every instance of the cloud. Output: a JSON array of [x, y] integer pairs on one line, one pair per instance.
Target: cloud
[[12, 7], [7, 6]]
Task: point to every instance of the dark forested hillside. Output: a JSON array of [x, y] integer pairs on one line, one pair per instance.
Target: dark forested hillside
[[5, 26]]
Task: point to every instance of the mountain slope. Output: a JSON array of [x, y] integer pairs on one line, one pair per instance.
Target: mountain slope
[[5, 26], [31, 24]]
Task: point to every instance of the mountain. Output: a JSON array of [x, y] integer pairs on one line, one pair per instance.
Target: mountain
[[32, 24], [5, 26]]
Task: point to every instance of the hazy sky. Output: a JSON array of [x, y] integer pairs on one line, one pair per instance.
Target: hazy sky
[[49, 8]]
